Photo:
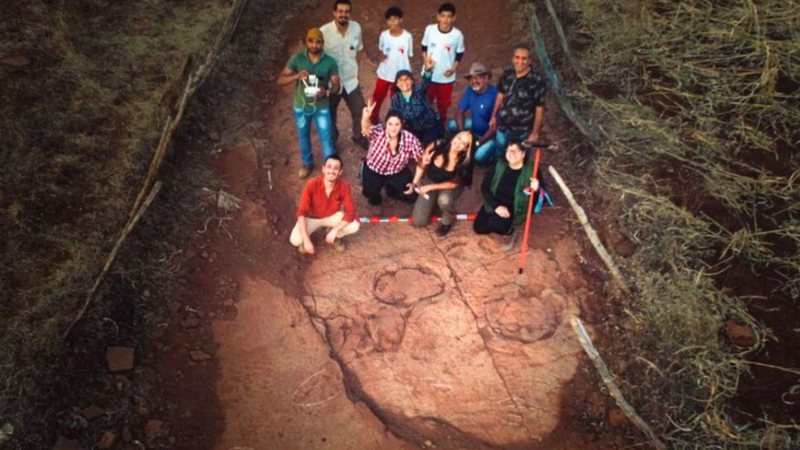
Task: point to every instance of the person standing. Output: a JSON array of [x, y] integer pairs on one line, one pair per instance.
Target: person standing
[[397, 47], [444, 44], [343, 42], [519, 107], [315, 75], [326, 201]]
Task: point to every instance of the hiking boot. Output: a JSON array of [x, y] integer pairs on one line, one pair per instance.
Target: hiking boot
[[305, 170], [443, 229], [511, 240], [339, 245], [361, 141]]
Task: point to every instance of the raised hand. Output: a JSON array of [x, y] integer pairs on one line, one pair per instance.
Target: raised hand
[[427, 156], [428, 63]]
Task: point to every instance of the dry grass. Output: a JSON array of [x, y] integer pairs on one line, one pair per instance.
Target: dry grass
[[696, 101], [77, 125]]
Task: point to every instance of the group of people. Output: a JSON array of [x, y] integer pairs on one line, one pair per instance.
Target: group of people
[[415, 154]]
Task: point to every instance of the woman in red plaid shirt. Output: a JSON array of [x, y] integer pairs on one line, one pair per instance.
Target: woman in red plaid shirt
[[391, 148]]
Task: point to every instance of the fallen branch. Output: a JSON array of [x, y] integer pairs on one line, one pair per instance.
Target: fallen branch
[[191, 80], [591, 233], [112, 257], [608, 380]]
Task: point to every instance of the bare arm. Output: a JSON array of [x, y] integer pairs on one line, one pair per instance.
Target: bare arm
[[365, 121], [288, 76], [537, 124], [460, 119], [497, 103]]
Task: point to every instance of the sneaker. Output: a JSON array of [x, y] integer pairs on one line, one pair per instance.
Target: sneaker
[[511, 240], [361, 141], [443, 229], [339, 245], [305, 170]]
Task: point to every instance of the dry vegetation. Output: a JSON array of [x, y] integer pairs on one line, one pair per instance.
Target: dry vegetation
[[696, 102], [81, 86]]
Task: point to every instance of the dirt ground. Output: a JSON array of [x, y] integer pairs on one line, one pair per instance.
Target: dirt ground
[[406, 339]]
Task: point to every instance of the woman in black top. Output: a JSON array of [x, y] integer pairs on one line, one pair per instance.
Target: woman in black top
[[504, 199], [446, 168]]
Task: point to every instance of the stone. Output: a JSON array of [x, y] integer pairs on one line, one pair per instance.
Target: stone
[[63, 443], [199, 356], [174, 307], [153, 428], [15, 61], [190, 322], [739, 335], [407, 286], [617, 418], [127, 436], [108, 440], [92, 412], [119, 359], [386, 329], [523, 319]]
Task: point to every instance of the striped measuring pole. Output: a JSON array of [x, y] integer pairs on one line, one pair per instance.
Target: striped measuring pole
[[406, 219]]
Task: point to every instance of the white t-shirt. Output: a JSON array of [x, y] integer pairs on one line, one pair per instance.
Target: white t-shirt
[[398, 51], [344, 50], [442, 49]]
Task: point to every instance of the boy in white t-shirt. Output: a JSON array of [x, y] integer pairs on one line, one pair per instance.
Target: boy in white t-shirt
[[444, 44], [396, 46]]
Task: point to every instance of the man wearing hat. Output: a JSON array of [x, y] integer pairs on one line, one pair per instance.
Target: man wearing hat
[[479, 99], [315, 76]]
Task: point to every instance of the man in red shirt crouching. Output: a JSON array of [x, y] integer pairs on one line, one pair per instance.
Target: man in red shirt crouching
[[326, 201]]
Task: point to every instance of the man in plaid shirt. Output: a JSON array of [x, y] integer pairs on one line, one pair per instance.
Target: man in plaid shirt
[[391, 148]]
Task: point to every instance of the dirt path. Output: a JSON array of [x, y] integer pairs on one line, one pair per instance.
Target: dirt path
[[412, 340]]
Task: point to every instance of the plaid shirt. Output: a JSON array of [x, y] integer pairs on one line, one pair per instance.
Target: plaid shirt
[[379, 155], [418, 113]]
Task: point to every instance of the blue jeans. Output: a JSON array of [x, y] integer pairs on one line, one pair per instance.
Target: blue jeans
[[485, 153], [496, 146], [302, 120]]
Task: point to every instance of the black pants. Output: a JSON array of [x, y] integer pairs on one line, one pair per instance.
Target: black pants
[[486, 223], [427, 136], [373, 183], [355, 103]]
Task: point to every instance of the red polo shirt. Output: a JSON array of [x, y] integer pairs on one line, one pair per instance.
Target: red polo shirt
[[314, 203]]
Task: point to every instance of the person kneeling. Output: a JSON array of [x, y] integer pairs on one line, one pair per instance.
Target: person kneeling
[[326, 201], [505, 202], [447, 169]]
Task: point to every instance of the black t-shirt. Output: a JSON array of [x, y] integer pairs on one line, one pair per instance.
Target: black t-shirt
[[504, 195]]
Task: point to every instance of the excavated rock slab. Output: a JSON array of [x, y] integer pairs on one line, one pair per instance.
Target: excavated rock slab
[[279, 387], [445, 333]]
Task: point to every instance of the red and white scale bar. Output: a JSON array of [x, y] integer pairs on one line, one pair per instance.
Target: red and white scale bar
[[404, 219]]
